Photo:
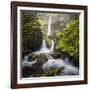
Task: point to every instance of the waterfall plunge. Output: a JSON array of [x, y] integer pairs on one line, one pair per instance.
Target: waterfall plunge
[[44, 49]]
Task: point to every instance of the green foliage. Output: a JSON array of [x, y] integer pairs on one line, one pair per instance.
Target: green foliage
[[51, 72], [31, 34], [68, 40], [48, 42], [47, 39]]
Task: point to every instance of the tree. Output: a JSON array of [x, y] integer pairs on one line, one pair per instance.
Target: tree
[[68, 40], [31, 32]]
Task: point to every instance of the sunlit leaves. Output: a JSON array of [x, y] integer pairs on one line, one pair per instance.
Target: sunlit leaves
[[68, 40]]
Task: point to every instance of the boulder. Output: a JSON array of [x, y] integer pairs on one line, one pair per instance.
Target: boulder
[[42, 58], [32, 57], [48, 42], [37, 67], [56, 55]]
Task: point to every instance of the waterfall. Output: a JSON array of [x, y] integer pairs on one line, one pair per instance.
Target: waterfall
[[49, 33], [52, 46], [68, 67], [49, 27], [44, 48], [44, 44]]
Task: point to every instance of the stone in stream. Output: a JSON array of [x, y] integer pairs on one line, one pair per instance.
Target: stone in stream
[[36, 68], [32, 57], [56, 55]]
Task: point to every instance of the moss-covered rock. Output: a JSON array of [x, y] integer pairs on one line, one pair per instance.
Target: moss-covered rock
[[48, 42], [42, 58], [32, 57], [37, 67]]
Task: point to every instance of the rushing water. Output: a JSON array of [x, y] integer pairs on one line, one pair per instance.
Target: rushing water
[[52, 46], [44, 49], [69, 69]]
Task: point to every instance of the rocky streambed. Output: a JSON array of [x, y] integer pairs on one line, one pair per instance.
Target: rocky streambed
[[47, 64]]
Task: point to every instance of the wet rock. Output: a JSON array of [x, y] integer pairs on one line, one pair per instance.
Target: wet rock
[[32, 57], [42, 58], [37, 67], [56, 55], [48, 42]]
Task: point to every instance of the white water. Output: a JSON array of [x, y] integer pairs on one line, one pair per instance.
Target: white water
[[44, 49], [68, 69], [52, 46], [49, 27], [57, 63], [27, 63]]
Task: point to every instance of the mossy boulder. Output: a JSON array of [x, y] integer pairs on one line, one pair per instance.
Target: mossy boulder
[[32, 57], [48, 42], [42, 58], [37, 67]]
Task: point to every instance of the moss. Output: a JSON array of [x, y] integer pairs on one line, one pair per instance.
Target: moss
[[51, 72], [31, 32], [48, 42], [42, 58]]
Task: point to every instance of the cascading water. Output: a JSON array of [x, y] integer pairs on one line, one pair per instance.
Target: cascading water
[[27, 63], [44, 49], [52, 46], [68, 69]]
